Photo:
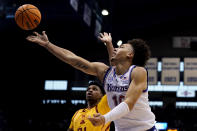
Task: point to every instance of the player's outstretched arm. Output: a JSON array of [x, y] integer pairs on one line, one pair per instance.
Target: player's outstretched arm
[[92, 68], [107, 39]]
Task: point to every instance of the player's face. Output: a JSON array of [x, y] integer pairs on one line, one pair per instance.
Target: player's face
[[93, 93], [122, 52]]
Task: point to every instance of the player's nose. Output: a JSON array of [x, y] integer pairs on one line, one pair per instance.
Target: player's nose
[[90, 90]]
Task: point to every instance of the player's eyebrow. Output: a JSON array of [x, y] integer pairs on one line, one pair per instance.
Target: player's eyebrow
[[121, 45]]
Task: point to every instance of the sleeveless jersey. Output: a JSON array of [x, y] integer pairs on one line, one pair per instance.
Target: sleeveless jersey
[[140, 118]]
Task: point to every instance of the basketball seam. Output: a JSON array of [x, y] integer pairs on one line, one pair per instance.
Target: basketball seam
[[29, 19], [34, 14], [25, 10], [21, 12], [18, 16]]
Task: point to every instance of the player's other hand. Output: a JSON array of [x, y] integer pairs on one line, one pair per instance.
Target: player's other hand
[[97, 119], [105, 37], [40, 39]]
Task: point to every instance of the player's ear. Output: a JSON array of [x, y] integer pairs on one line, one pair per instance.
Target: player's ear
[[130, 55]]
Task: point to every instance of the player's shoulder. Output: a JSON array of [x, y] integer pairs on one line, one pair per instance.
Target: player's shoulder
[[100, 64], [102, 106], [104, 98], [139, 69], [79, 111]]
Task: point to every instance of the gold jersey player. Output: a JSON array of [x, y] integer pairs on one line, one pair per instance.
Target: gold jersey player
[[97, 103], [125, 82]]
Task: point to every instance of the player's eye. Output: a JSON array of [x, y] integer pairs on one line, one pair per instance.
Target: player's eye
[[121, 46], [95, 89]]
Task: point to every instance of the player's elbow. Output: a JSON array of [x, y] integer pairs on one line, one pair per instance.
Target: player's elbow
[[130, 103]]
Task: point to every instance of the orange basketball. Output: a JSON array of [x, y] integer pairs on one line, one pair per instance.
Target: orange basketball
[[27, 17]]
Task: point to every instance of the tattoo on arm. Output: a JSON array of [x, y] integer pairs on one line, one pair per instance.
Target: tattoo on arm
[[81, 66]]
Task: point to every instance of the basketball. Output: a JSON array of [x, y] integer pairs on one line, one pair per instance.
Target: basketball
[[27, 17]]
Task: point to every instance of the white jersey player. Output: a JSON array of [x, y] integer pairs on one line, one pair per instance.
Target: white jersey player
[[119, 87], [140, 118]]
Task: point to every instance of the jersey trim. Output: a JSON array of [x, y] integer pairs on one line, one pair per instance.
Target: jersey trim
[[106, 74], [75, 114], [96, 108], [130, 74], [147, 82], [107, 127], [121, 75]]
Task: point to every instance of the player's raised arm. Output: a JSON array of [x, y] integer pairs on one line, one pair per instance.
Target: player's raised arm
[[107, 39], [91, 68]]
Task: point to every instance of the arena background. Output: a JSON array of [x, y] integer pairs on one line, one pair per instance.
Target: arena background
[[25, 67]]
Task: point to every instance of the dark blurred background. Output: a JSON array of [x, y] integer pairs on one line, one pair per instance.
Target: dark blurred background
[[26, 105]]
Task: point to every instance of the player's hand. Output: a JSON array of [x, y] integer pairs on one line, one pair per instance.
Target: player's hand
[[38, 38], [97, 120], [105, 37]]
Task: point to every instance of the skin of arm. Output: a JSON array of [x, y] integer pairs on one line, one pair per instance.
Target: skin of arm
[[138, 84], [69, 129], [92, 68], [107, 39]]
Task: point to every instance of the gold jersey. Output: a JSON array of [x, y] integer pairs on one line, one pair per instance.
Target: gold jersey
[[80, 120]]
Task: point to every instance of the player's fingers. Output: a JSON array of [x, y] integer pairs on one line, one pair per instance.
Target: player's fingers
[[96, 115], [110, 34], [44, 32], [101, 35], [91, 120], [102, 39], [105, 34], [89, 117], [30, 37], [36, 33]]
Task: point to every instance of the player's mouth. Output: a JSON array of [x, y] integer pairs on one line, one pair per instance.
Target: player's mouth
[[89, 94]]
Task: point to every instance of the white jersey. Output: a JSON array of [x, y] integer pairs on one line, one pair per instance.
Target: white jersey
[[140, 118]]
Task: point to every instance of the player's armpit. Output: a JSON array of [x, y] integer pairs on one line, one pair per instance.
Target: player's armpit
[[97, 69]]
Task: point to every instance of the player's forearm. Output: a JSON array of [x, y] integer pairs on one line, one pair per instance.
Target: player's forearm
[[110, 49], [119, 111], [71, 59], [116, 113], [62, 54]]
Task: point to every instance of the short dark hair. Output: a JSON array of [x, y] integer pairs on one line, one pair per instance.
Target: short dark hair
[[97, 84], [141, 52]]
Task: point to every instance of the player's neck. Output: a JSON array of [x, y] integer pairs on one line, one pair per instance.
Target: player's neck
[[121, 68], [92, 103]]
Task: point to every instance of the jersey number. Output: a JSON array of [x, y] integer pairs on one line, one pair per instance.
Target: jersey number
[[117, 100], [81, 129]]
